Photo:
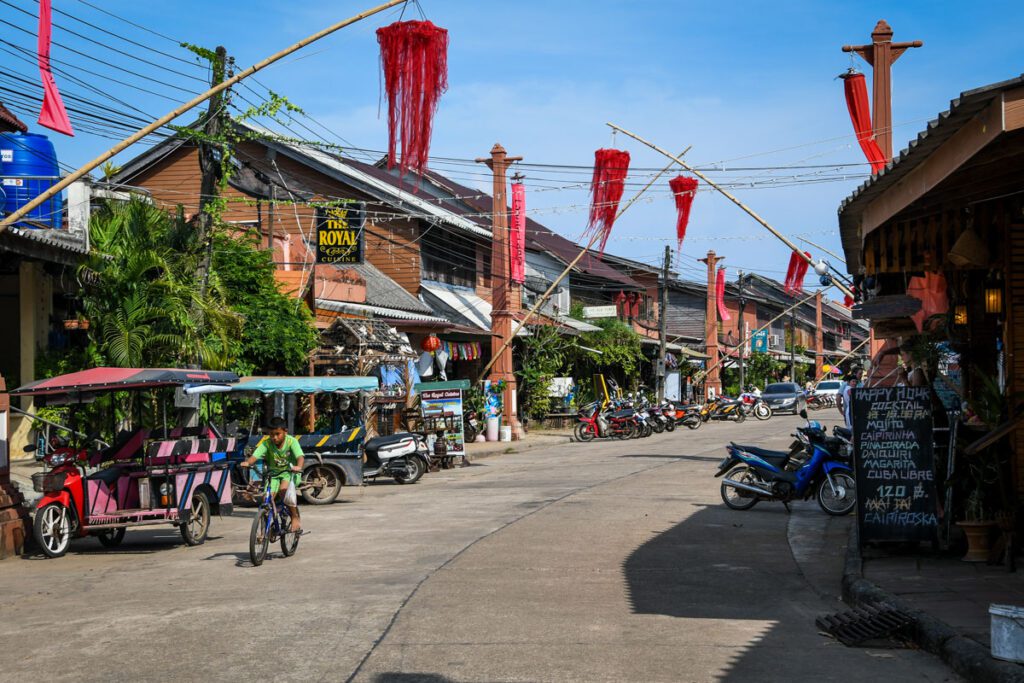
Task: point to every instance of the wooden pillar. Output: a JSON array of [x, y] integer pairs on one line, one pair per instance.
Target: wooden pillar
[[713, 381], [819, 339]]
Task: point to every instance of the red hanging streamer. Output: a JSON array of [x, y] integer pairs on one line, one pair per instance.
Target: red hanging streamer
[[52, 115], [517, 234], [848, 301], [610, 169], [723, 312], [684, 189], [857, 102], [414, 58], [796, 272]]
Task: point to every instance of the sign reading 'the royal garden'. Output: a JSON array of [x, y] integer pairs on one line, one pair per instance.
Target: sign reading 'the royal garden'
[[339, 233]]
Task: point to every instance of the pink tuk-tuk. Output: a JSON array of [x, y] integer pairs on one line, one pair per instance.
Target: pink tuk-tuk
[[147, 476]]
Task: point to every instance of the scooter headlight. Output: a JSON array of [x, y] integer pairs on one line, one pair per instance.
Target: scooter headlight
[[58, 459]]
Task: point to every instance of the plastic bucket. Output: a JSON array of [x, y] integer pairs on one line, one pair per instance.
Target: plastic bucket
[[492, 428], [1007, 632], [506, 433]]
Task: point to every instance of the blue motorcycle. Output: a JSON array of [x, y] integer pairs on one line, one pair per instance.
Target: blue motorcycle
[[754, 474]]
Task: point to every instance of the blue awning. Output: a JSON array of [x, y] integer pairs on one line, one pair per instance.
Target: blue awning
[[305, 385]]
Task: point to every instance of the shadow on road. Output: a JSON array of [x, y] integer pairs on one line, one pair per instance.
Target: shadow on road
[[721, 564], [398, 677], [667, 456]]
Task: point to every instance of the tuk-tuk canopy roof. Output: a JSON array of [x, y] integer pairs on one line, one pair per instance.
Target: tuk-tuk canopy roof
[[306, 385], [122, 379]]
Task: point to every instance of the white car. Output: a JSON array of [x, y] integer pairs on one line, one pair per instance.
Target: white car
[[828, 387]]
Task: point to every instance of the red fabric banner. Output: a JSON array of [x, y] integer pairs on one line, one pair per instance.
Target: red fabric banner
[[606, 187], [517, 234], [52, 115], [684, 189], [796, 273], [860, 114], [723, 312], [414, 58]]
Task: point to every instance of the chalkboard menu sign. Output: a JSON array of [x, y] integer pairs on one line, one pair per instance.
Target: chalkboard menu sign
[[892, 433], [339, 233]]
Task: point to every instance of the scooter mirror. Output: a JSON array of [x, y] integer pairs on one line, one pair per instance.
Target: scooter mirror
[[29, 448], [803, 413]]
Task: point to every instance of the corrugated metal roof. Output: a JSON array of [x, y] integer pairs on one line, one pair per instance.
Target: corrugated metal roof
[[50, 245], [9, 122], [939, 130], [378, 311], [383, 291]]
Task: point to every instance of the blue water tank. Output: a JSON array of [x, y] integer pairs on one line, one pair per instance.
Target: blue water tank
[[28, 167]]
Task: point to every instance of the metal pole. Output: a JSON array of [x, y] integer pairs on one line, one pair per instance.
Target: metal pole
[[792, 345], [742, 325], [197, 100], [785, 240], [663, 324]]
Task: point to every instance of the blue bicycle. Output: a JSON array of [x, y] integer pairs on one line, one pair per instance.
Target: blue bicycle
[[272, 522]]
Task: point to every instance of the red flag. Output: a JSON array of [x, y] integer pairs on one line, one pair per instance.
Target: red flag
[[517, 234], [723, 312], [683, 189], [796, 273], [52, 115], [857, 102], [606, 187]]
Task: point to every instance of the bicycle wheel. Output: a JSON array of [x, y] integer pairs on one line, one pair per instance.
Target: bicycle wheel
[[289, 539], [259, 537]]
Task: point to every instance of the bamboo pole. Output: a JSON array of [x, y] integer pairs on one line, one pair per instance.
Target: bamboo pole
[[199, 99], [731, 198], [544, 297], [815, 244]]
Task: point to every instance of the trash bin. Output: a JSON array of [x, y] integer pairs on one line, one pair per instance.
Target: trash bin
[[1007, 632], [506, 433], [492, 428]]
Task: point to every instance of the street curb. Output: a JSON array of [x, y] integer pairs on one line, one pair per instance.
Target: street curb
[[526, 444], [965, 656]]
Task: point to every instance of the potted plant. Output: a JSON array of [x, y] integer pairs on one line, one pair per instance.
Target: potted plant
[[977, 524]]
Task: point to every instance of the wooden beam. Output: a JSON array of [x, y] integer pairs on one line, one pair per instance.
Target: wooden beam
[[974, 136]]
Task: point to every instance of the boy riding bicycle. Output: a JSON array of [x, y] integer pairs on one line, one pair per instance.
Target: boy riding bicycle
[[283, 458]]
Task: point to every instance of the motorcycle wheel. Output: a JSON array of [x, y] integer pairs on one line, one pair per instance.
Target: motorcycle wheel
[[838, 505], [645, 430], [658, 427], [694, 423], [468, 432], [414, 470], [670, 426], [584, 431], [626, 431], [52, 529], [762, 411], [738, 416], [322, 485], [734, 498]]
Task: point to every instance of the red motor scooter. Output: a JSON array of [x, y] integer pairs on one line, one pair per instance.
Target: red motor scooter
[[593, 425]]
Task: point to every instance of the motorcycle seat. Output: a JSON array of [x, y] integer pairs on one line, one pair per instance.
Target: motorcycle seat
[[378, 442], [777, 458], [622, 414], [843, 432]]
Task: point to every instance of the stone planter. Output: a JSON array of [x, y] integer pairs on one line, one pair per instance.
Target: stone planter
[[979, 540]]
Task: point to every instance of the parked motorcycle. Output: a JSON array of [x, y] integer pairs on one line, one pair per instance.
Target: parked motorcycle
[[593, 424], [753, 474], [470, 426], [404, 456], [687, 415], [756, 406], [723, 408]]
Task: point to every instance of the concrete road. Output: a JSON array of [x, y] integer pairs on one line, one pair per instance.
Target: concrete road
[[591, 562]]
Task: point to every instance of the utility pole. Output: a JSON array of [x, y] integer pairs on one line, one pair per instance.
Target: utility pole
[[713, 380], [663, 324], [742, 332], [504, 297], [881, 54], [819, 339], [792, 345], [210, 166]]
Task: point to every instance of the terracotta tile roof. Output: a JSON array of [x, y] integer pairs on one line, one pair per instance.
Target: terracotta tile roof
[[10, 123]]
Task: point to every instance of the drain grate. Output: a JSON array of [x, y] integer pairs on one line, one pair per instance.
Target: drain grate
[[858, 626]]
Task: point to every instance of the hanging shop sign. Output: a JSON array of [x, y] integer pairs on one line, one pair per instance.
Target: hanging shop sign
[[896, 494], [339, 233], [759, 341], [592, 312]]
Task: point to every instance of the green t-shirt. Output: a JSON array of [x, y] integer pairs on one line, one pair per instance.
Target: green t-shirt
[[279, 460]]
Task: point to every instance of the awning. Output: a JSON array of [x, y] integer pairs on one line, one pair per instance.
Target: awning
[[306, 385], [120, 379], [375, 311], [463, 384], [578, 325], [461, 306]]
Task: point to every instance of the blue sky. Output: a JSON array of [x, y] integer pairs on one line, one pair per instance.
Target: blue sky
[[746, 84]]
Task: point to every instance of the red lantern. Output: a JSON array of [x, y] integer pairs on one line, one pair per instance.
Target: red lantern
[[431, 344]]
